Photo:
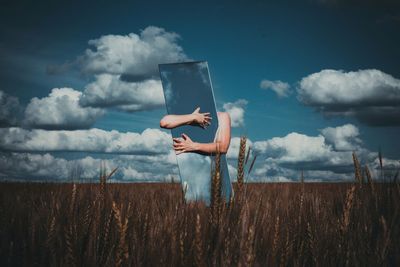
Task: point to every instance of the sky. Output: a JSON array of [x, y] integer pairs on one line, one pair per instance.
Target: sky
[[307, 82]]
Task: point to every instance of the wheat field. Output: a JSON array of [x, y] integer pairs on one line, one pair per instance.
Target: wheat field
[[142, 224]]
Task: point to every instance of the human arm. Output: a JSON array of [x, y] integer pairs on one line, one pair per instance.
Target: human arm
[[195, 118], [221, 142]]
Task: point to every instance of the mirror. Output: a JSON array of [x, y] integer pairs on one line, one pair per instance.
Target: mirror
[[188, 86]]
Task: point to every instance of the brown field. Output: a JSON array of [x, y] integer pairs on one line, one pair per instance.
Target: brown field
[[275, 224]]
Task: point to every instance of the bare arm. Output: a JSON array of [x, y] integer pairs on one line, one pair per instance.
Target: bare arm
[[172, 121], [221, 142], [195, 118]]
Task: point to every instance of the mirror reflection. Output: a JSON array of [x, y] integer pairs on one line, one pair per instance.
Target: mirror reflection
[[198, 130]]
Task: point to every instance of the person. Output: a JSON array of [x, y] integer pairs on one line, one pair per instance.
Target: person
[[202, 119]]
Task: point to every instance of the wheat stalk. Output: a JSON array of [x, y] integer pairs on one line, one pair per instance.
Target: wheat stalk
[[51, 236], [311, 243], [73, 198], [250, 246], [347, 208], [198, 243], [276, 235], [357, 169], [241, 160], [122, 226], [70, 243], [216, 191]]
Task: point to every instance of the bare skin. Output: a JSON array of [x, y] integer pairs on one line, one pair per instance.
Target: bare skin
[[185, 144], [196, 118]]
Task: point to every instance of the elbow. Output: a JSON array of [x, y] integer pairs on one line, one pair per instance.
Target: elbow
[[164, 123]]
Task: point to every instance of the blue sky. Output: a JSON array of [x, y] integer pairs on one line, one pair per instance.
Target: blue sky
[[244, 43]]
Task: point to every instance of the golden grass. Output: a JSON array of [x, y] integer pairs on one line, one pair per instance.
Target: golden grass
[[294, 224]]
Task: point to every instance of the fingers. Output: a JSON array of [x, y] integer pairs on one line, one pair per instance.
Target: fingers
[[197, 110], [186, 137], [179, 145], [179, 149], [177, 152], [177, 140]]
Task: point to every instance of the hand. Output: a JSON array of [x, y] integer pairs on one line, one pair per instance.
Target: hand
[[201, 119], [184, 145]]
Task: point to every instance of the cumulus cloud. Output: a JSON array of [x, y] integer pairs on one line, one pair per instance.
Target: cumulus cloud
[[270, 171], [126, 69], [150, 141], [236, 111], [371, 96], [28, 166], [343, 138], [279, 87], [25, 154], [60, 110], [134, 56], [10, 110], [18, 165], [296, 147], [329, 151], [109, 90]]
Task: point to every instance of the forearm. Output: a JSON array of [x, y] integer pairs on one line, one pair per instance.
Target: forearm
[[172, 121], [210, 148]]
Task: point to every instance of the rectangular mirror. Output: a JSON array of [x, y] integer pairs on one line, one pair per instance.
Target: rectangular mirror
[[188, 86]]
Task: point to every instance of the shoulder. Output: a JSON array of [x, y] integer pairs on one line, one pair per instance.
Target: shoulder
[[223, 116]]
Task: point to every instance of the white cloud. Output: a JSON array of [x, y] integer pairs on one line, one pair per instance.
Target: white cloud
[[135, 56], [27, 166], [150, 141], [130, 173], [60, 110], [279, 87], [10, 110], [343, 138], [18, 165], [236, 111], [295, 147], [371, 96], [324, 157], [299, 151], [280, 159], [126, 69], [110, 90]]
